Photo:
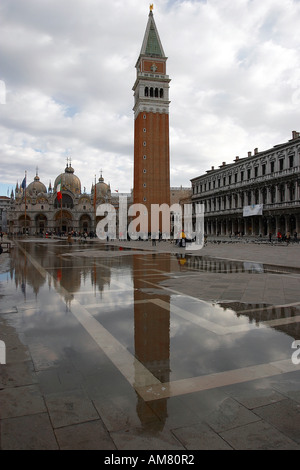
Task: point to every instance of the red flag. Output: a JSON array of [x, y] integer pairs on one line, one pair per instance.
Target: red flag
[[58, 191]]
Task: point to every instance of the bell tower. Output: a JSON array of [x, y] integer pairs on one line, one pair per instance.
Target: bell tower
[[151, 123]]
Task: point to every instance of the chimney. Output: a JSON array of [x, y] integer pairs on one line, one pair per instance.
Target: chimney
[[223, 163], [295, 134], [212, 168], [237, 159], [249, 154], [256, 151]]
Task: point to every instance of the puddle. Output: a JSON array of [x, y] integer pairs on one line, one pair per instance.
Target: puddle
[[209, 264], [173, 336]]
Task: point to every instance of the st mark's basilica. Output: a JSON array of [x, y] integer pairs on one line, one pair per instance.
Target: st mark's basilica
[[37, 210]]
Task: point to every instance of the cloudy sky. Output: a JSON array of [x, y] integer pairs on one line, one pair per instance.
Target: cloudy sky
[[67, 68]]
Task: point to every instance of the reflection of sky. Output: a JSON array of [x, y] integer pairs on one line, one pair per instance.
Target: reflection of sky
[[211, 312], [4, 276], [196, 351]]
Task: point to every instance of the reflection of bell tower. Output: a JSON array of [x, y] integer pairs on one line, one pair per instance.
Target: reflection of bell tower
[[151, 125], [152, 328]]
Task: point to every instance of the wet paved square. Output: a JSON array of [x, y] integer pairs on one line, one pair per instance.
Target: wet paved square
[[149, 348]]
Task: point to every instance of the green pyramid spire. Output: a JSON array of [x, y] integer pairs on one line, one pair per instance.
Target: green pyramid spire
[[151, 44]]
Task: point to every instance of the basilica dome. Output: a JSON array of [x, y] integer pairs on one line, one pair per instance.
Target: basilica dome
[[102, 189], [68, 181], [36, 187]]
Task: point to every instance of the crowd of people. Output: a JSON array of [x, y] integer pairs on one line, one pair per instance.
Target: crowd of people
[[284, 237]]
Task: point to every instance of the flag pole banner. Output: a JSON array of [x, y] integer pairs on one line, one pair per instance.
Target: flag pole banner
[[255, 209], [23, 185], [58, 191]]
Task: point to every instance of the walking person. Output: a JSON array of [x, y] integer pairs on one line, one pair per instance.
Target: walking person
[[279, 236], [69, 239]]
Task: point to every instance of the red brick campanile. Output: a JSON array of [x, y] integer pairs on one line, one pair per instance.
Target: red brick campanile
[[151, 124]]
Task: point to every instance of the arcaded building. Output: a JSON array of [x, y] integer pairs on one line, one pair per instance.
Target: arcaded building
[[255, 195]]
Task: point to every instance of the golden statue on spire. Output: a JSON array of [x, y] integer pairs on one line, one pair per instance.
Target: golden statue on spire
[[151, 6]]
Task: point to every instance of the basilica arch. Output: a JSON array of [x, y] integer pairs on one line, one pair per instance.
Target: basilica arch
[[24, 224], [41, 223], [85, 223], [66, 202], [63, 221]]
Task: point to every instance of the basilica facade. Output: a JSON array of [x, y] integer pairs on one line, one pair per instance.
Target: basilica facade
[[37, 210]]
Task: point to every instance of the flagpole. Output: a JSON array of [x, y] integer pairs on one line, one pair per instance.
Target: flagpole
[[59, 198], [95, 203], [25, 198]]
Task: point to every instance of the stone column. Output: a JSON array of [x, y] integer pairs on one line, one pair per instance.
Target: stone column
[[298, 225], [268, 225], [269, 189], [276, 194], [286, 192], [277, 223], [260, 225]]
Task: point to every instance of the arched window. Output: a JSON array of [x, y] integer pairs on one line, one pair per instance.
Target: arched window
[[161, 93], [146, 91], [249, 195], [273, 194], [151, 92], [282, 192], [156, 92], [67, 202], [242, 199], [292, 192]]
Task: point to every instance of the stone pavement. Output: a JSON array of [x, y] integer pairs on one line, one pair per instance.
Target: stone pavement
[[45, 404]]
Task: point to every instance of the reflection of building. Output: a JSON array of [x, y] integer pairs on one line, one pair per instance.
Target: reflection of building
[[4, 205], [270, 178], [36, 210], [259, 313], [152, 329], [151, 125], [63, 272], [151, 324]]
